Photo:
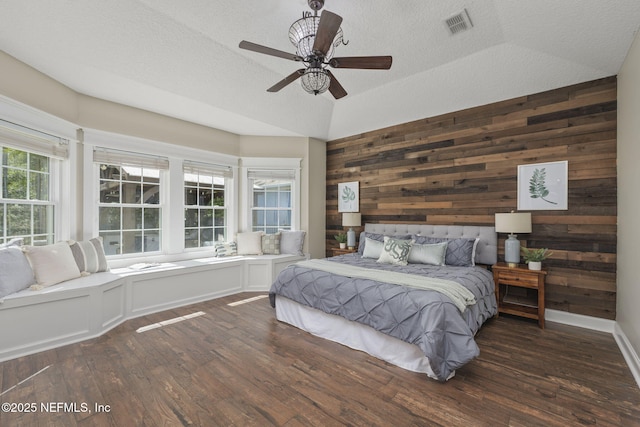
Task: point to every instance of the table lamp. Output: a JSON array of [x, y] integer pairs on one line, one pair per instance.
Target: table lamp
[[513, 222], [351, 219]]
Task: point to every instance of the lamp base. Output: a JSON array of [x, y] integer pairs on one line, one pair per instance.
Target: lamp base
[[512, 264], [351, 238], [512, 251]]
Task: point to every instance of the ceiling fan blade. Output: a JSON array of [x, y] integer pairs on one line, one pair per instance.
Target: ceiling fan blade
[[362, 62], [335, 87], [327, 30], [268, 50], [287, 80]]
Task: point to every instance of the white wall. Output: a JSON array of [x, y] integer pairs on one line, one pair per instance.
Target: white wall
[[628, 300]]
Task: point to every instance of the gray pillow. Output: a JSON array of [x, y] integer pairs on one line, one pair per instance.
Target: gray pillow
[[13, 242], [433, 254], [372, 248], [460, 251], [15, 271], [291, 242]]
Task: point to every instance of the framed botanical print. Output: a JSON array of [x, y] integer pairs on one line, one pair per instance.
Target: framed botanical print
[[543, 186], [348, 197]]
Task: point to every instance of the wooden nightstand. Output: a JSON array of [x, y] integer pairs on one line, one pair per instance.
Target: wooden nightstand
[[338, 251], [520, 291]]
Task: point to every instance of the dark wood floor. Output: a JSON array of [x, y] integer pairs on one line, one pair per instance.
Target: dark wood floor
[[237, 365]]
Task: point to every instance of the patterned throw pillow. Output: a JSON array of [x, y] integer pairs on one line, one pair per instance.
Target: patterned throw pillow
[[271, 244], [377, 237], [89, 255], [395, 251], [226, 249]]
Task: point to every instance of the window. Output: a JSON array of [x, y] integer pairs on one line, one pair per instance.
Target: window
[[205, 201], [129, 206], [271, 200], [26, 208]]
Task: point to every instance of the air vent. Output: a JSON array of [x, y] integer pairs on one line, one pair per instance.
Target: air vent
[[459, 22]]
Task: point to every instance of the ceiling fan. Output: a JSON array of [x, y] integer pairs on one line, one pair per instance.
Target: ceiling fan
[[315, 38]]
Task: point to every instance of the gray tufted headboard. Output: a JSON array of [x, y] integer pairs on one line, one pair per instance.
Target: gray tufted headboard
[[486, 251]]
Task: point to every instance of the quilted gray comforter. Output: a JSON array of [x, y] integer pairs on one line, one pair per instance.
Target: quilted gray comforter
[[425, 318]]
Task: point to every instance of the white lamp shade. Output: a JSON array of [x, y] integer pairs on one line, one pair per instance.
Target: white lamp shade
[[351, 219], [514, 222]]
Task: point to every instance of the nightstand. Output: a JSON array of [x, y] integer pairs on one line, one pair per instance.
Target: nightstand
[[520, 291], [338, 251]]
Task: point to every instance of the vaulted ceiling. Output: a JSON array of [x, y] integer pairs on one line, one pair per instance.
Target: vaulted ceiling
[[181, 58]]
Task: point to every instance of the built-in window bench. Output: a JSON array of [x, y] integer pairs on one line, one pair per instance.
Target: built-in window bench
[[87, 307]]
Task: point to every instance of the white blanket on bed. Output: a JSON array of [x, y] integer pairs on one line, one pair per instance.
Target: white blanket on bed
[[461, 296]]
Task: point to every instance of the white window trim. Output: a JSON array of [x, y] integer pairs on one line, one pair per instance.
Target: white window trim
[[63, 175], [252, 163], [172, 187], [227, 185]]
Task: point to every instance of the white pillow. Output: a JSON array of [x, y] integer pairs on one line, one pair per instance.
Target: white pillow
[[52, 263], [428, 254], [395, 251], [372, 248], [291, 242], [250, 243]]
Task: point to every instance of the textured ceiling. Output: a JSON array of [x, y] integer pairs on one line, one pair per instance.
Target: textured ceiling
[[181, 58]]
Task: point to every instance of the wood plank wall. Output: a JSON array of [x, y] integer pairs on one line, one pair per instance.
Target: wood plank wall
[[461, 168]]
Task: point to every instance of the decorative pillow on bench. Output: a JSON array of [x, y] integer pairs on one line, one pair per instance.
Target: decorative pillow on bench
[[51, 264], [226, 249], [16, 273], [291, 242], [249, 243], [89, 255], [271, 244]]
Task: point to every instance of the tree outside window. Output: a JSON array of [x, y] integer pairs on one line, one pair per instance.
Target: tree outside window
[[26, 209]]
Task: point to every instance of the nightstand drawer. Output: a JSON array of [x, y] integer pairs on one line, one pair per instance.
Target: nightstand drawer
[[518, 279]]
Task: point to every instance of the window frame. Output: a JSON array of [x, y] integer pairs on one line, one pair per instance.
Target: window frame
[[172, 189], [51, 202], [257, 164], [214, 171], [28, 129], [122, 205]]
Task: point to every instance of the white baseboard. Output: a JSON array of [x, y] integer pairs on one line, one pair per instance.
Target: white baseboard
[[629, 353], [603, 325], [579, 320]]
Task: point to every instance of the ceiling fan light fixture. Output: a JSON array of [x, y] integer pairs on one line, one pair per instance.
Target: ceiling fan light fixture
[[315, 80], [315, 39], [302, 35]]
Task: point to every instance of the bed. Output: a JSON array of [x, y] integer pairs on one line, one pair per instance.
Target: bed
[[422, 316]]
